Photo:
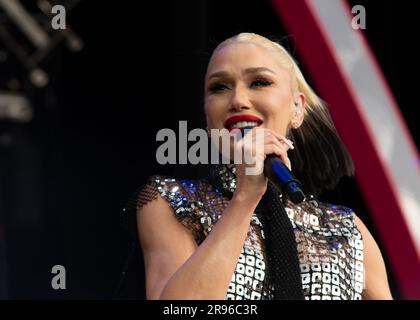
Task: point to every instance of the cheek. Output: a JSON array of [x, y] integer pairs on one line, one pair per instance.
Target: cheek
[[276, 108], [214, 111], [275, 105]]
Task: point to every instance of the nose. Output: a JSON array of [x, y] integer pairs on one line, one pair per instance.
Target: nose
[[240, 100]]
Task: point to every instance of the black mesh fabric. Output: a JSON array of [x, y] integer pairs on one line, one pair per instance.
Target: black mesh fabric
[[282, 253]]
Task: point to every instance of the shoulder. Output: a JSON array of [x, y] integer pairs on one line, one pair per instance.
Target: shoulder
[[338, 215], [166, 240], [328, 214], [344, 219], [157, 224], [336, 212], [177, 199], [367, 250], [180, 194]]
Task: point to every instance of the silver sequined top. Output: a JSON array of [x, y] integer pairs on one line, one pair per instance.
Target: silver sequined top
[[329, 245]]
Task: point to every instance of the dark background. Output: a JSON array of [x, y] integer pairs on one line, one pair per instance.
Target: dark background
[[65, 177]]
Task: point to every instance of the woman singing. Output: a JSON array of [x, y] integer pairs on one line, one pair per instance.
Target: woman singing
[[233, 235]]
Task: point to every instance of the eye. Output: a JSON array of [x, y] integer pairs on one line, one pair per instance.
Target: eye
[[218, 87], [260, 83]]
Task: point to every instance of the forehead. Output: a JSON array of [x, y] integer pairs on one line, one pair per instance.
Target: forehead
[[243, 55]]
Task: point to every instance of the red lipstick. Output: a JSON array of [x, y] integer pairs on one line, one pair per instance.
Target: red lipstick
[[244, 117]]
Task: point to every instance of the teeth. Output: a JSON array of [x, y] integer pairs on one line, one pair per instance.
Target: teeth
[[242, 124]]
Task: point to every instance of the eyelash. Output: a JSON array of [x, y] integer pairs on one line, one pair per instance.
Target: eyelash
[[218, 86]]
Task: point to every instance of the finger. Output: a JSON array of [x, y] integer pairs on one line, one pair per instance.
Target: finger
[[262, 138], [256, 146], [272, 139], [280, 152], [282, 138]]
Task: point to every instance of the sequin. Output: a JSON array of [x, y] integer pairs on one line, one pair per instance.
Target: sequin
[[330, 246]]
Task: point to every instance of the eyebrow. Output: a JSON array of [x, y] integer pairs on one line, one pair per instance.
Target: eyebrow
[[246, 71]]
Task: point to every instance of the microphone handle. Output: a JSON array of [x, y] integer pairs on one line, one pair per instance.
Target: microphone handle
[[282, 177]]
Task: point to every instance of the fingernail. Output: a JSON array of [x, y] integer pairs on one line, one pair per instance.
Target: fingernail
[[289, 143]]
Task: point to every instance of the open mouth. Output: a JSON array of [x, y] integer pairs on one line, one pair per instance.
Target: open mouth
[[241, 121]]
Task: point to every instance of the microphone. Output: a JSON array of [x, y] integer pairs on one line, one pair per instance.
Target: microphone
[[279, 173]]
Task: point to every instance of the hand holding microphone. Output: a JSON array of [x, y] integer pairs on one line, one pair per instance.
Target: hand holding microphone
[[277, 166]]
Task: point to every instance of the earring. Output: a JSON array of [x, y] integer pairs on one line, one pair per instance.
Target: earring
[[298, 110]]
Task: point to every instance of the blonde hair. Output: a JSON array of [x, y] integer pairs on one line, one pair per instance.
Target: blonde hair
[[320, 158]]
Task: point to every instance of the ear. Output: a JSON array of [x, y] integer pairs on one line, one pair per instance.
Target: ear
[[298, 110]]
